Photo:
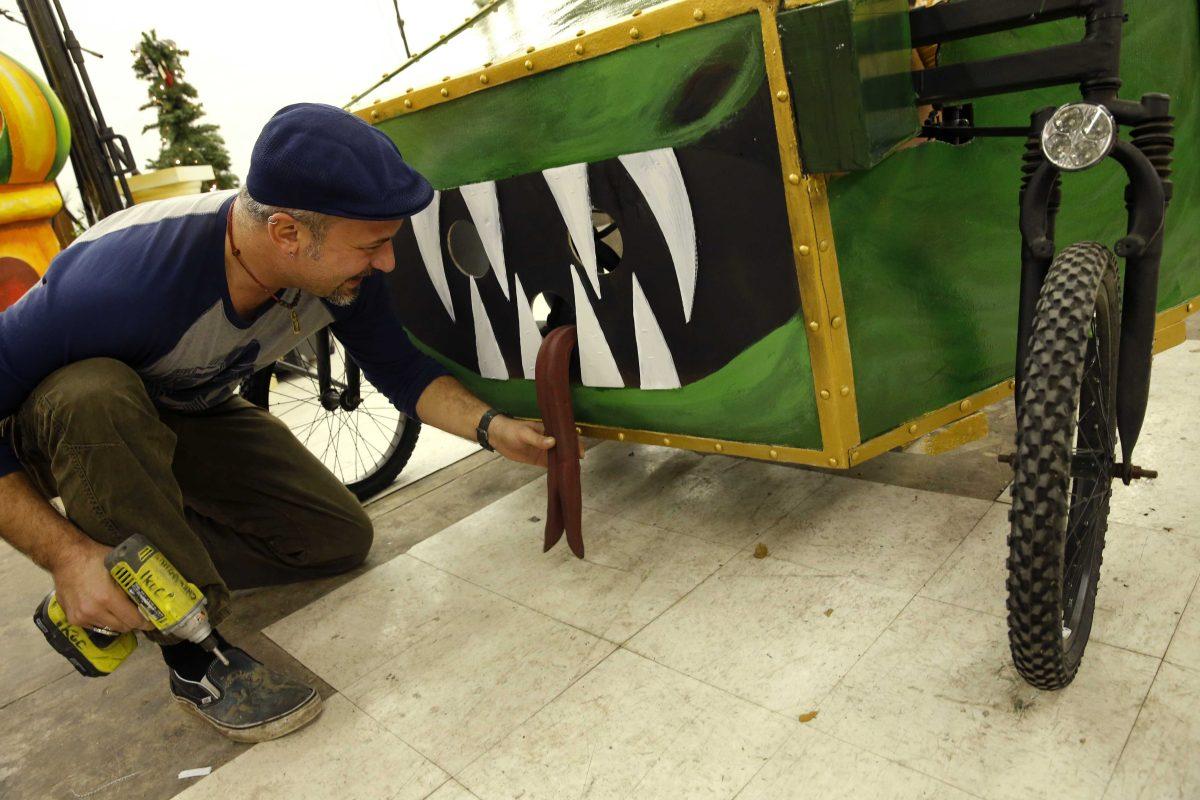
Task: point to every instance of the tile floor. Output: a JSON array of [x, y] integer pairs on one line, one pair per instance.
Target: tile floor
[[864, 657]]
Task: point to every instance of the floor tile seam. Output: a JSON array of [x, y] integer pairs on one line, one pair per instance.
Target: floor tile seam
[[1180, 531], [500, 740], [1191, 598], [936, 492], [767, 760], [1158, 530], [995, 615], [34, 690], [514, 601], [53, 681], [428, 491], [957, 547], [720, 566], [657, 527], [431, 793], [902, 765], [782, 715], [387, 730], [821, 572], [823, 698], [1129, 735]]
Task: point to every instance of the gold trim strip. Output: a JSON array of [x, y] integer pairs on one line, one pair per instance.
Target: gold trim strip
[[762, 452], [914, 429], [1179, 313], [637, 28], [1168, 336], [816, 267]]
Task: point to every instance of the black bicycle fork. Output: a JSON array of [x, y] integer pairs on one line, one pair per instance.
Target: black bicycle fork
[[1093, 63], [1147, 163]]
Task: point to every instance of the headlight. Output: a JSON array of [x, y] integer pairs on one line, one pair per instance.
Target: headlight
[[1078, 136]]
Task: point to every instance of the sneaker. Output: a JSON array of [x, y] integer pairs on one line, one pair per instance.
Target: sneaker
[[246, 701]]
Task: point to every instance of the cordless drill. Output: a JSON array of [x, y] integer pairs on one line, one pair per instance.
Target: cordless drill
[[168, 600]]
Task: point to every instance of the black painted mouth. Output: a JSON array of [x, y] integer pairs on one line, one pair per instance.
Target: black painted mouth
[[745, 283]]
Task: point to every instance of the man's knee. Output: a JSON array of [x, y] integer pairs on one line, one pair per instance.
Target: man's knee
[[97, 391], [350, 539]]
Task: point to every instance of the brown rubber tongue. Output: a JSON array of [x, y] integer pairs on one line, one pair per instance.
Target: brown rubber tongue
[[564, 501]]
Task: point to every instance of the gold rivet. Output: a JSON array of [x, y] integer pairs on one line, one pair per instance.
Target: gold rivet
[[1012, 383], [823, 246], [579, 32], [578, 49], [774, 454], [529, 65], [912, 428], [845, 390], [814, 325], [408, 103], [793, 179], [620, 437], [634, 33], [805, 250], [666, 441], [483, 78], [718, 447], [445, 92], [781, 95], [579, 430], [836, 322], [698, 14], [530, 49], [824, 394], [964, 405], [374, 115], [446, 78], [636, 13], [833, 462], [1191, 306]]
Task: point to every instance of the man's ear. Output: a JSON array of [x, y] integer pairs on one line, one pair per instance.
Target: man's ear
[[284, 232]]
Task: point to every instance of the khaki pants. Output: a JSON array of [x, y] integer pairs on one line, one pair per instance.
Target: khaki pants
[[229, 495]]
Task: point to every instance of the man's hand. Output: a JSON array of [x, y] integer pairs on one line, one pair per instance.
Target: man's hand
[[526, 442], [89, 595]]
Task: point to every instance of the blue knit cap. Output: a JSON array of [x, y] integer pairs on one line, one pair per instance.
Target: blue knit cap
[[319, 158]]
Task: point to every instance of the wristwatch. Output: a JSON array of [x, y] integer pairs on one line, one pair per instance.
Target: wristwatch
[[481, 430]]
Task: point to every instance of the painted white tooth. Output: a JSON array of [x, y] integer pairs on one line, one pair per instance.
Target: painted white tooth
[[655, 361], [484, 206], [569, 185], [427, 230], [487, 349], [657, 175], [531, 337], [596, 362]]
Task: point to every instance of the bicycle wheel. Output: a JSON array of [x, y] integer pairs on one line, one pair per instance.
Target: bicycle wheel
[[363, 440], [1066, 436]]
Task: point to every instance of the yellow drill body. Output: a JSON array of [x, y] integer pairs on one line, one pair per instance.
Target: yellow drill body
[[174, 605]]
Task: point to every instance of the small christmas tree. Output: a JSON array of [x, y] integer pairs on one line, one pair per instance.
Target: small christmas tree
[[184, 141]]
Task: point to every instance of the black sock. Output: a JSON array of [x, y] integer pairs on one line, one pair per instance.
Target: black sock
[[190, 660]]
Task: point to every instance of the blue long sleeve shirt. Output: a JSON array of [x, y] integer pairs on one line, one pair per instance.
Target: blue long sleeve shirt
[[146, 286]]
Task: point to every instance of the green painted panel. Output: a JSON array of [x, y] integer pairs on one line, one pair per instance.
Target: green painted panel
[[667, 92], [763, 396], [848, 65], [928, 244]]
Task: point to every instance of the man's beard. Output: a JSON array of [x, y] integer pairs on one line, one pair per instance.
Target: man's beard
[[344, 294]]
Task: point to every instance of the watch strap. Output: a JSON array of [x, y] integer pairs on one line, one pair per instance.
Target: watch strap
[[481, 430]]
